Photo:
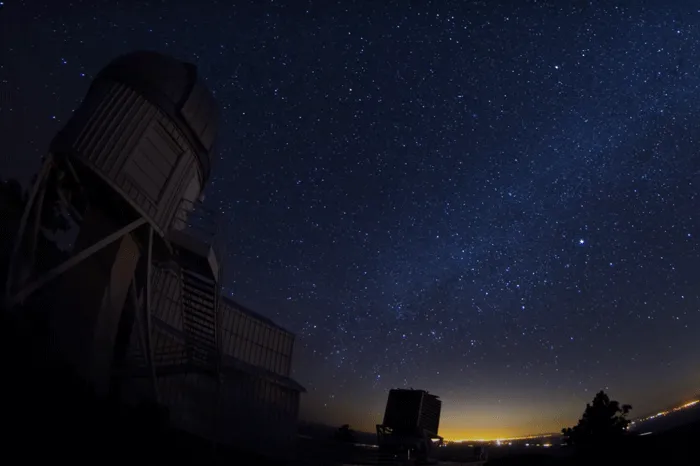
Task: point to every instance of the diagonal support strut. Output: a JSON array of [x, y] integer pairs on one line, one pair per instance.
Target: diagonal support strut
[[73, 261]]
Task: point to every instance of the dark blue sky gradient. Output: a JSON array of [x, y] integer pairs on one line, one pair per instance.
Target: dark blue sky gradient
[[495, 202]]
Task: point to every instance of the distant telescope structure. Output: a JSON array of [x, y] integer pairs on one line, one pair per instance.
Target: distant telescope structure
[[133, 305], [411, 422]]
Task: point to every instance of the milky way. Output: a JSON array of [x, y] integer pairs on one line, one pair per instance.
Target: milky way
[[494, 203]]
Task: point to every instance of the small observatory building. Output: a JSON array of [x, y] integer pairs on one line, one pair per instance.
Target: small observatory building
[[411, 421]]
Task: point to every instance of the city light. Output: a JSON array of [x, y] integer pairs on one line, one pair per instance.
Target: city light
[[508, 440], [664, 413], [500, 440]]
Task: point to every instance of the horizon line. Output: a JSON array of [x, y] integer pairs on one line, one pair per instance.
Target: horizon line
[[545, 435]]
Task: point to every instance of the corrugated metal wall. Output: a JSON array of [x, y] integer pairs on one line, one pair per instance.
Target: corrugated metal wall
[[135, 147], [254, 340], [258, 413], [255, 411], [430, 413], [252, 413], [191, 399]]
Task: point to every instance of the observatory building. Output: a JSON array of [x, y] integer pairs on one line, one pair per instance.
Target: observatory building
[[135, 306], [411, 421]]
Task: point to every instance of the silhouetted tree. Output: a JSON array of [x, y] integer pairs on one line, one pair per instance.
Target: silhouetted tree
[[345, 434], [603, 423]]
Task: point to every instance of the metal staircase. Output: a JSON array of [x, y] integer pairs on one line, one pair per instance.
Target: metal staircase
[[169, 348], [188, 345], [199, 320], [184, 321]]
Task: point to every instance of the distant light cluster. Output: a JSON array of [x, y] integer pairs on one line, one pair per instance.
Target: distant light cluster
[[664, 413], [502, 441]]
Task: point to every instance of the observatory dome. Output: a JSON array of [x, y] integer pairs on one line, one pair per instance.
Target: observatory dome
[[174, 87]]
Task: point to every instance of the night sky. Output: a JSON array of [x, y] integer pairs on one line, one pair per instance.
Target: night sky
[[498, 204]]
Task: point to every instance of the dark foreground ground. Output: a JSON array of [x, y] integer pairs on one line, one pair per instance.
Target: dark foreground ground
[[49, 416], [678, 446]]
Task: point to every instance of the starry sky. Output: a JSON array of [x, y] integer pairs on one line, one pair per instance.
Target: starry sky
[[493, 201]]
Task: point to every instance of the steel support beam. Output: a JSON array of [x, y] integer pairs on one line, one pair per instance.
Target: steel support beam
[[72, 171], [145, 339], [147, 302], [136, 302], [77, 216], [36, 225], [73, 261], [37, 188]]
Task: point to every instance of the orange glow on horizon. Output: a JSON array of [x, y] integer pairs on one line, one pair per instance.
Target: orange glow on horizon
[[493, 434], [456, 435], [499, 439]]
